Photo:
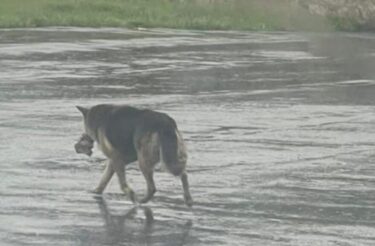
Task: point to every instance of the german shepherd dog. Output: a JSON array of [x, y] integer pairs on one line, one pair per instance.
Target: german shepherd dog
[[126, 134]]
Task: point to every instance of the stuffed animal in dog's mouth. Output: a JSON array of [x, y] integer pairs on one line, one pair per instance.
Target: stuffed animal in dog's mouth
[[84, 145]]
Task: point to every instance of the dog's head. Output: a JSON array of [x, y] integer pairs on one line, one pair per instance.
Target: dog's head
[[95, 117]]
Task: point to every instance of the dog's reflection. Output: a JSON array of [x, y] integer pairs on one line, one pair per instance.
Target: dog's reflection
[[127, 228]]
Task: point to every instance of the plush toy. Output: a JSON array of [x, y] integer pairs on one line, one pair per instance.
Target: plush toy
[[84, 145]]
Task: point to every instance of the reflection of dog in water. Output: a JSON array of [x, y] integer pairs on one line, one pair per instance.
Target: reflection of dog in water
[[115, 224], [126, 134], [122, 228]]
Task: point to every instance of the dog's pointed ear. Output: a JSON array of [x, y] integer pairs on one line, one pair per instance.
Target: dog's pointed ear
[[83, 110]]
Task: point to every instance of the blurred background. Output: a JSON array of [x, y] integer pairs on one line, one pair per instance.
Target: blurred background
[[342, 15]]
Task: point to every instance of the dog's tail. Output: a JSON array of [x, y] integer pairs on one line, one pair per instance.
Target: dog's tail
[[173, 150]]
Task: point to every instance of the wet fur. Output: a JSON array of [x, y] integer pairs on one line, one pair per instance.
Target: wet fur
[[126, 134]]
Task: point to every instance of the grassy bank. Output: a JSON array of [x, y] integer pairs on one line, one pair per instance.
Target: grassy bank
[[182, 14]]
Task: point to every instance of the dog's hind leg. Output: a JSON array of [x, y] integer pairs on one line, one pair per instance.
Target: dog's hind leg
[[182, 159], [148, 156], [185, 186], [107, 175], [119, 168], [147, 170]]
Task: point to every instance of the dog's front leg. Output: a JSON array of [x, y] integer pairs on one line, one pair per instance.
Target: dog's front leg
[[107, 175], [119, 168]]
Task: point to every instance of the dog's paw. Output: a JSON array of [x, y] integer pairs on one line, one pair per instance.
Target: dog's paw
[[144, 200], [129, 192], [96, 191], [148, 196], [133, 197], [188, 201]]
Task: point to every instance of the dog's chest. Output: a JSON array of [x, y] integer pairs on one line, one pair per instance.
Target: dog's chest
[[105, 146]]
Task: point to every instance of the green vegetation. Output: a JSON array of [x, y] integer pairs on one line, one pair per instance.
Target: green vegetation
[[182, 14], [347, 24]]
